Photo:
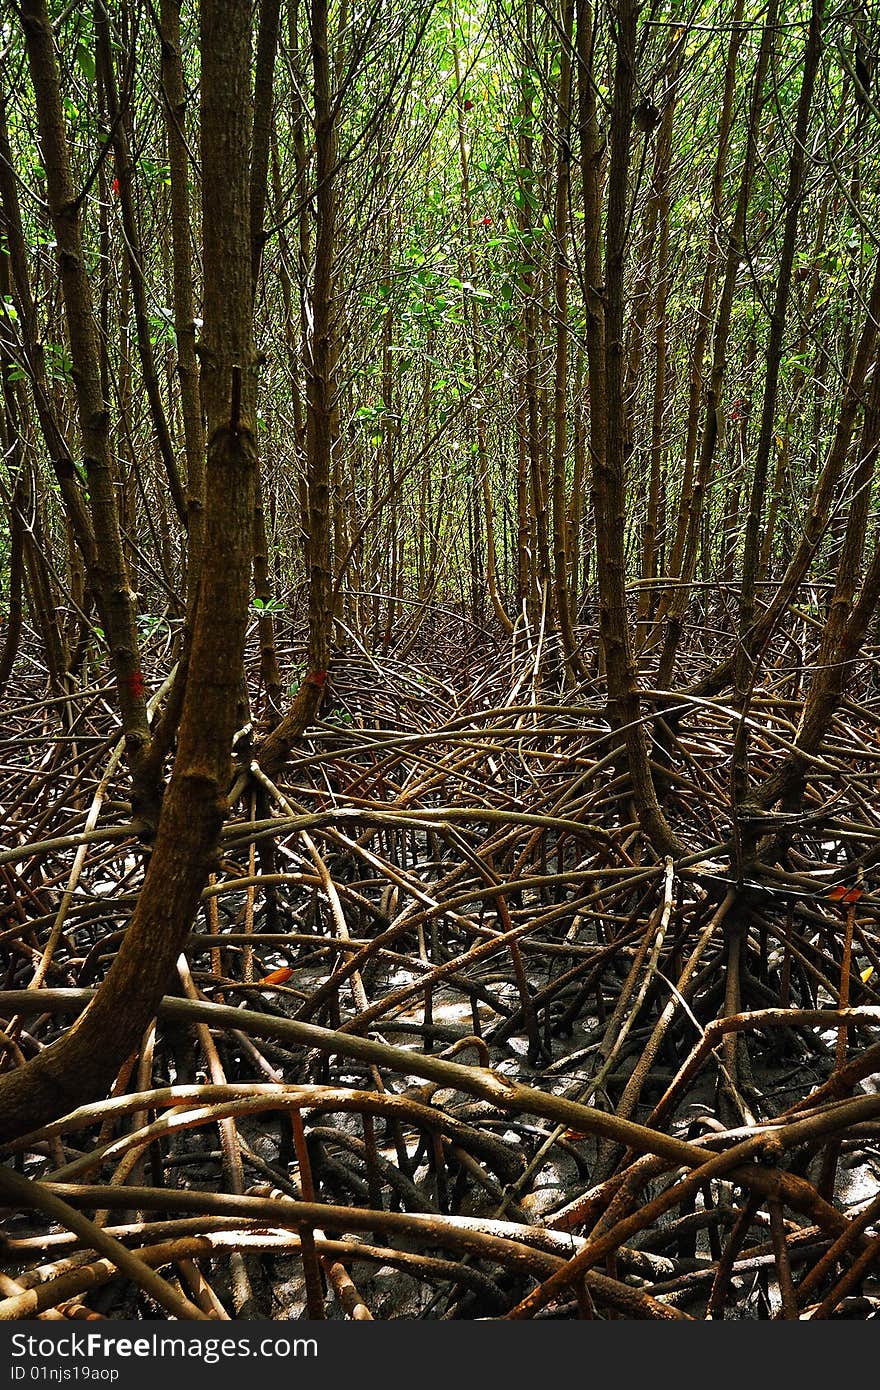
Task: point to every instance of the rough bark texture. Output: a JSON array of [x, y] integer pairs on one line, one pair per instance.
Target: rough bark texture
[[609, 487], [135, 260], [56, 445], [816, 518], [83, 1063], [321, 391], [174, 94], [695, 488], [847, 621], [117, 601]]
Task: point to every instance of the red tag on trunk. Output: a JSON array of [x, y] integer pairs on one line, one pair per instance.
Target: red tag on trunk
[[135, 683]]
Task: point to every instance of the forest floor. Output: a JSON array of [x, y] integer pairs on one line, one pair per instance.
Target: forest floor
[[540, 1040]]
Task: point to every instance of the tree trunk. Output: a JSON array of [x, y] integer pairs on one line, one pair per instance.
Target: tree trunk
[[84, 1062], [609, 467], [118, 603]]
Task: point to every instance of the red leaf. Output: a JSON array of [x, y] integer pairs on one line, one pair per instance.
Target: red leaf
[[842, 894], [276, 977]]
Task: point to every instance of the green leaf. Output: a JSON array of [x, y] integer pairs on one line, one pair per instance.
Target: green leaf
[[86, 60]]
